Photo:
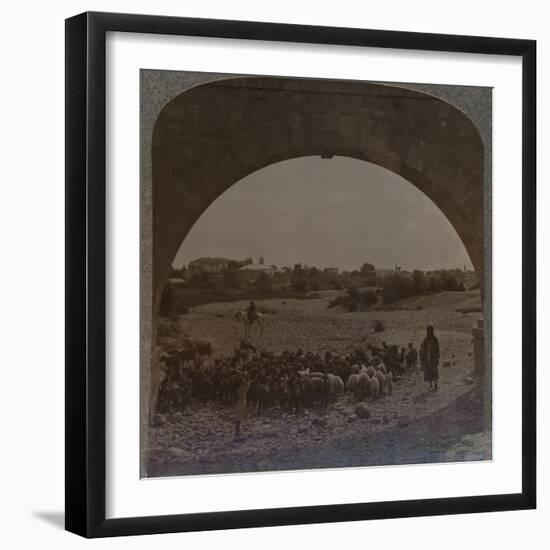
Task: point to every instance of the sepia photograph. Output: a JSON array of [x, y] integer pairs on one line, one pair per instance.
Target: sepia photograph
[[315, 273]]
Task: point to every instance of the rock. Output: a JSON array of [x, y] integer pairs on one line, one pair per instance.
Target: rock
[[469, 380], [352, 419], [446, 364], [177, 417], [159, 420], [321, 422], [403, 421], [180, 453], [476, 439], [376, 420], [362, 411]]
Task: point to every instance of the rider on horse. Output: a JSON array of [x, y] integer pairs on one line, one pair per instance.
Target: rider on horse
[[251, 311]]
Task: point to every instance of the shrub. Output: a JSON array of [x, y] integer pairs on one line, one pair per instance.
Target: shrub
[[369, 298], [263, 282], [353, 299], [166, 301], [434, 285], [397, 287], [354, 294], [300, 286], [449, 282], [420, 284], [202, 280], [232, 279], [341, 300]]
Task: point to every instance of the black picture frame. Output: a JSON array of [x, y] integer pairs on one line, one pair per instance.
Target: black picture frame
[[86, 263]]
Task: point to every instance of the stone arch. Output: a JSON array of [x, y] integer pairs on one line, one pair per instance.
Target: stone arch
[[211, 136]]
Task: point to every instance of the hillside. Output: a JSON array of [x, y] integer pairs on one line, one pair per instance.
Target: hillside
[[450, 301]]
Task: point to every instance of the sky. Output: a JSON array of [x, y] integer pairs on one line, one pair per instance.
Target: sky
[[337, 212]]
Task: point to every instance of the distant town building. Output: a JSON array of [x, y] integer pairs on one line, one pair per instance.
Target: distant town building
[[207, 265], [383, 273], [252, 273], [331, 270]]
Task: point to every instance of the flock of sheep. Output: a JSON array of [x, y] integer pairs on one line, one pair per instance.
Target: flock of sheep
[[291, 381], [363, 382]]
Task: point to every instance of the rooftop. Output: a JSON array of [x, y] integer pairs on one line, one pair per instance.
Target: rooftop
[[258, 267]]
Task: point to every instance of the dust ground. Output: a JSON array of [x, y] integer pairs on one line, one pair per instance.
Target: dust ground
[[413, 425]]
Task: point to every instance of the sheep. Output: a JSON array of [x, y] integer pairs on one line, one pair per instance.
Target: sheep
[[371, 371], [336, 385], [374, 387], [354, 369], [352, 382], [307, 391], [386, 382], [389, 383], [259, 396], [316, 388], [362, 387], [381, 381]]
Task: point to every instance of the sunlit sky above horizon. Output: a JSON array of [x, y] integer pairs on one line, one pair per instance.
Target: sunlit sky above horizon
[[337, 212]]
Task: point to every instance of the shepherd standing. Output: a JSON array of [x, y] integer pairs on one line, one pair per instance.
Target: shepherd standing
[[429, 357]]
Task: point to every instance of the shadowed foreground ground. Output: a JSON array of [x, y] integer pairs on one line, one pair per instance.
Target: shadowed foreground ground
[[439, 437]]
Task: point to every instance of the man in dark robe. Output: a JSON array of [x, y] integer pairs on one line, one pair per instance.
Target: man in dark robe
[[429, 357], [251, 312]]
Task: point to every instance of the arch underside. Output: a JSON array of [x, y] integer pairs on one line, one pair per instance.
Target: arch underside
[[210, 137]]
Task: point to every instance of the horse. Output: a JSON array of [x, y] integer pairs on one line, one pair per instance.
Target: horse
[[242, 317]]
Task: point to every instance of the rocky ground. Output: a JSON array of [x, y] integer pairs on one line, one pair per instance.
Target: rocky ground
[[412, 425]]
